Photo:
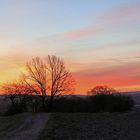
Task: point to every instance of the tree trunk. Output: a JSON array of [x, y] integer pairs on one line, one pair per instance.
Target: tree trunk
[[43, 103], [51, 103]]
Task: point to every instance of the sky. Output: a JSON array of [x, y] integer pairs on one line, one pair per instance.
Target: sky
[[99, 40]]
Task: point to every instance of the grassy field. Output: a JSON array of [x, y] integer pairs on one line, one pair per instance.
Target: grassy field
[[71, 126], [83, 126], [11, 123]]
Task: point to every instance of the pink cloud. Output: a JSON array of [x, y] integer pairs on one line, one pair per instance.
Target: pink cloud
[[128, 12], [82, 33]]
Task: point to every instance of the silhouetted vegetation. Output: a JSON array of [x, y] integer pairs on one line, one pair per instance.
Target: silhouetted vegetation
[[47, 77], [91, 104], [100, 99], [18, 108], [24, 103], [96, 103], [70, 104], [105, 99], [111, 103], [19, 103], [43, 77], [46, 80], [101, 90]]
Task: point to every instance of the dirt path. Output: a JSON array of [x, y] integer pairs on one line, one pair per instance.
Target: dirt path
[[30, 129]]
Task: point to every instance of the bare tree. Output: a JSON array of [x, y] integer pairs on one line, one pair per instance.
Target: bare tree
[[42, 77], [60, 78], [16, 91], [36, 78], [101, 90], [48, 77], [11, 92]]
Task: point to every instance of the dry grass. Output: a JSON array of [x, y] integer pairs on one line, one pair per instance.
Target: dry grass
[[83, 126], [10, 123]]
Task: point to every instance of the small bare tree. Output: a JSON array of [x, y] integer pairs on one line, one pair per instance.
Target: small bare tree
[[10, 89], [101, 90], [16, 91]]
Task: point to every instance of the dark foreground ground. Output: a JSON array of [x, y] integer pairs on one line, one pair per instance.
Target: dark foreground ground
[[71, 126], [83, 126], [26, 126]]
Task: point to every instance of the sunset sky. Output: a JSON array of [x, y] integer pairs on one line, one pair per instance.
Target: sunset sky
[[99, 40]]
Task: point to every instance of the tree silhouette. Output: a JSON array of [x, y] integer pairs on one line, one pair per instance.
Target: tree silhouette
[[17, 92], [47, 77], [101, 90], [60, 78], [43, 77], [36, 77]]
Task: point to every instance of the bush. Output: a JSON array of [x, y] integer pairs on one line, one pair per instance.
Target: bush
[[90, 104], [123, 103], [96, 103], [72, 104], [111, 103], [15, 109]]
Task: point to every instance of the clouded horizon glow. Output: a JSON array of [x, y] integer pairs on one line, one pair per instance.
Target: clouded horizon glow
[[98, 40]]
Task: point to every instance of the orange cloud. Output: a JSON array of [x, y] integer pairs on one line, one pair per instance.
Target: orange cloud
[[122, 77]]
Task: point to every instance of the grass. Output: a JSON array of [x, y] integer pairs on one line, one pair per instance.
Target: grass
[[10, 123], [85, 126], [81, 126]]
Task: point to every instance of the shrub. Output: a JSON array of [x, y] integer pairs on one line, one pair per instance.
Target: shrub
[[96, 103], [123, 103], [111, 103], [91, 104], [72, 104], [18, 108]]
